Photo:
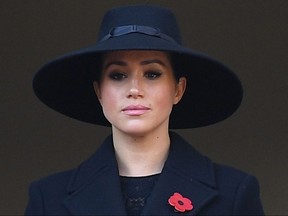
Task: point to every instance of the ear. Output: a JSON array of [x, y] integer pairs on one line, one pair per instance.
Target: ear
[[180, 89], [97, 90]]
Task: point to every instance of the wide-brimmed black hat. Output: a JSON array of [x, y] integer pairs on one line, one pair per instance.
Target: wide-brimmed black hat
[[65, 84]]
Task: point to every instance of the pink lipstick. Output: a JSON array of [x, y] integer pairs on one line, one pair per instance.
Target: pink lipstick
[[135, 110]]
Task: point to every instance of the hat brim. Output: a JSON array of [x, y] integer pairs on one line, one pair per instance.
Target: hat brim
[[213, 91]]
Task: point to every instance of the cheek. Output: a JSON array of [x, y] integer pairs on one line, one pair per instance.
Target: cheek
[[108, 97], [109, 103], [164, 96]]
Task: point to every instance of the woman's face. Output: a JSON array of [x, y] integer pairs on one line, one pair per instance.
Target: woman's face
[[137, 90]]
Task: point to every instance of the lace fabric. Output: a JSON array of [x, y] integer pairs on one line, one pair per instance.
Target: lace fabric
[[136, 191]]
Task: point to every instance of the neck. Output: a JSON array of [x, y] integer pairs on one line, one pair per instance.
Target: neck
[[141, 155]]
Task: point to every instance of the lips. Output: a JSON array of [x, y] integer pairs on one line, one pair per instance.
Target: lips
[[135, 110]]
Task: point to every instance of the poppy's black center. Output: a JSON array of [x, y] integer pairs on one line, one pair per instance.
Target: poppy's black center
[[180, 202]]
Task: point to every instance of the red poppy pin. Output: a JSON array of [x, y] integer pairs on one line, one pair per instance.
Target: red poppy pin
[[180, 203]]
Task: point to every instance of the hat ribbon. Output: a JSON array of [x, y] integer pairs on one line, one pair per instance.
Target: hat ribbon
[[128, 29]]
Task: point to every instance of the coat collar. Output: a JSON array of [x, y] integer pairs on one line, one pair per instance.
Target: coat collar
[[95, 186]]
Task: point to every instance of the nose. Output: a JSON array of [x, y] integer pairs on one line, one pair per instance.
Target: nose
[[135, 88]]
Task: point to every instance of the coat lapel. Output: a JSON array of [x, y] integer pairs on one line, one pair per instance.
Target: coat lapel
[[186, 172], [95, 187]]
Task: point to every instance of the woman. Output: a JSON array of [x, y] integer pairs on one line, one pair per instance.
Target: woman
[[141, 81]]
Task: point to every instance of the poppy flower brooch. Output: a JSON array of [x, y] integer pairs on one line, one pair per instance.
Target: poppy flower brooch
[[180, 203]]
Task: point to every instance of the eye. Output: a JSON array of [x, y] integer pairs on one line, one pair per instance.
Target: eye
[[117, 76], [152, 74]]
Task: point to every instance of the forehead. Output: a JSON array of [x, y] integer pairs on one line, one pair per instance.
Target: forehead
[[136, 55]]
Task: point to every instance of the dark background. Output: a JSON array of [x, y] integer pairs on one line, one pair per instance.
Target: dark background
[[250, 36]]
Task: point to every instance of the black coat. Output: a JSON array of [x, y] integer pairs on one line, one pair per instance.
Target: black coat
[[94, 187]]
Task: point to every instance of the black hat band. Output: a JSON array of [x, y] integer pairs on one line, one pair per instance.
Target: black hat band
[[148, 30]]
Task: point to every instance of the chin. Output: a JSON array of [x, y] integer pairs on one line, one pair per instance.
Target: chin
[[135, 131], [136, 128]]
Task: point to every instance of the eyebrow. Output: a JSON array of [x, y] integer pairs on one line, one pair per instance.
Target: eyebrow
[[152, 61], [145, 62], [121, 63]]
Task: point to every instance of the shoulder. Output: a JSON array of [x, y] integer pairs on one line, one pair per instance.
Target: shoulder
[[234, 180], [54, 182], [47, 193], [242, 189], [86, 168], [237, 191], [190, 159], [228, 173]]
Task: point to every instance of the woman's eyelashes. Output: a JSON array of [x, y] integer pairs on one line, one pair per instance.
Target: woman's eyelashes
[[152, 74], [118, 76]]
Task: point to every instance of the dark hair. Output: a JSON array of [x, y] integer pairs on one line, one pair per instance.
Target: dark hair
[[97, 65], [177, 65]]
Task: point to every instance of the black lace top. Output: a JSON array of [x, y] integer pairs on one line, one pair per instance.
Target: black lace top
[[136, 191]]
